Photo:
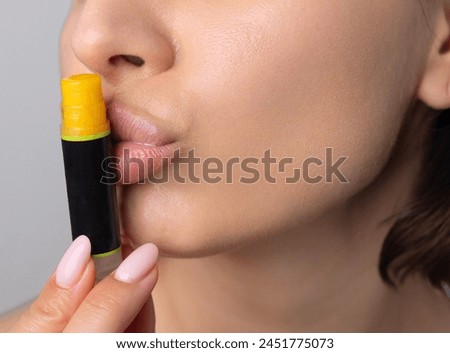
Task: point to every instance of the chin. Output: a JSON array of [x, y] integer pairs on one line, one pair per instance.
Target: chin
[[182, 224], [178, 233], [177, 242]]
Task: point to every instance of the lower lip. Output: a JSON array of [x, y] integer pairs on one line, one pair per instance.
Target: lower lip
[[139, 162]]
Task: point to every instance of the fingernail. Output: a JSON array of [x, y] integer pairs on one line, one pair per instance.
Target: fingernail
[[138, 264], [73, 263]]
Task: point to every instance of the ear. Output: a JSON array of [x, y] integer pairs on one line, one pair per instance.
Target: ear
[[434, 88]]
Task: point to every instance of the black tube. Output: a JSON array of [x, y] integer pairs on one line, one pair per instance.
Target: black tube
[[92, 204]]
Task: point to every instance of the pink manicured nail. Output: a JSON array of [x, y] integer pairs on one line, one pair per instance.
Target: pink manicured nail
[[138, 264], [73, 263]]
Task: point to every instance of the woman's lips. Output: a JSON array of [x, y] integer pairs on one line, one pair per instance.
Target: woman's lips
[[140, 162], [142, 148]]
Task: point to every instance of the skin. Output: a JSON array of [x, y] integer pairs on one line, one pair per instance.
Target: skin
[[230, 79]]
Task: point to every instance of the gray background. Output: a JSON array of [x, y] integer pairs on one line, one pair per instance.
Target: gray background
[[33, 208]]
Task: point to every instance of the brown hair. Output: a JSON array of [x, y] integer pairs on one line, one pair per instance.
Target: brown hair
[[419, 241]]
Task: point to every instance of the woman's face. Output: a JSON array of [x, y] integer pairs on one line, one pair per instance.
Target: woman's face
[[232, 79]]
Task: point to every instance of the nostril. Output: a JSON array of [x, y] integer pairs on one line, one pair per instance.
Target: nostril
[[132, 59]]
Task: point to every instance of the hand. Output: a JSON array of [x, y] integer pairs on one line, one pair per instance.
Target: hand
[[69, 301]]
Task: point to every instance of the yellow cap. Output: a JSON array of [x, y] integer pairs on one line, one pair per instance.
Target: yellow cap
[[83, 108]]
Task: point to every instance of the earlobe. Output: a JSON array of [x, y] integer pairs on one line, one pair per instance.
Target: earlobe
[[434, 88]]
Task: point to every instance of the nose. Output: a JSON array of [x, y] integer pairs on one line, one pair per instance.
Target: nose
[[117, 38]]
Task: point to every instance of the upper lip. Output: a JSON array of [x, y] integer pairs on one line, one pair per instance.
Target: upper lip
[[129, 127]]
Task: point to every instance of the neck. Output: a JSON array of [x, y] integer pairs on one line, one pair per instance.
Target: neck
[[320, 277]]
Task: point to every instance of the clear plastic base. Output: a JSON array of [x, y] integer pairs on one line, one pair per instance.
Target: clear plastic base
[[105, 265]]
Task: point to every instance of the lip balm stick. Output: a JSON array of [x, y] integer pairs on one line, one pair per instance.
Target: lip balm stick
[[86, 142]]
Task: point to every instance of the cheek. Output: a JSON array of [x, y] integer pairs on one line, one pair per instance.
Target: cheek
[[305, 83]]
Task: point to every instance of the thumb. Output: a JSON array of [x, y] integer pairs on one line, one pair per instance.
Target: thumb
[[145, 320]]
